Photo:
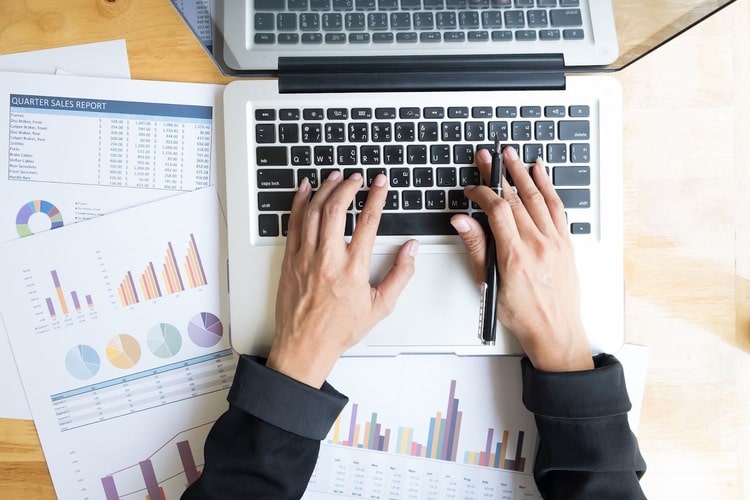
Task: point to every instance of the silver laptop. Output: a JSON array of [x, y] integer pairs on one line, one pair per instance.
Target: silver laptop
[[420, 119]]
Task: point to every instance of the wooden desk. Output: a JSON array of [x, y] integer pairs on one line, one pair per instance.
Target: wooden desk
[[687, 214]]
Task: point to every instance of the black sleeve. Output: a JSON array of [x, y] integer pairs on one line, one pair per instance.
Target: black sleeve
[[586, 448], [267, 443]]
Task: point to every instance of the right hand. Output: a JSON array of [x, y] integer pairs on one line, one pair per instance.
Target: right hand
[[539, 295]]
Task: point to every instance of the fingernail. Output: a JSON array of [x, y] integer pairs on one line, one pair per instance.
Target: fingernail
[[356, 176], [333, 175], [413, 248], [460, 225], [304, 185], [511, 153], [379, 180], [469, 187]]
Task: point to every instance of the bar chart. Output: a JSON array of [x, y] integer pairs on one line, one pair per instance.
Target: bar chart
[[428, 427], [170, 278], [170, 469], [58, 305]]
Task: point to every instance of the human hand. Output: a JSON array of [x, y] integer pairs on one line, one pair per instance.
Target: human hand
[[539, 294], [325, 303]]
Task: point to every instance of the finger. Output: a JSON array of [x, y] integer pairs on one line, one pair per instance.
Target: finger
[[294, 229], [515, 169], [387, 292], [551, 198], [333, 220], [312, 219], [483, 159], [533, 200], [475, 241], [500, 215], [368, 220]]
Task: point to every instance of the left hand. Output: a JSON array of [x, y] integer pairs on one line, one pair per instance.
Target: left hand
[[325, 302]]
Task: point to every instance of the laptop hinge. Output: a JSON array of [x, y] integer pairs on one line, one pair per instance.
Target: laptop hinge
[[421, 73]]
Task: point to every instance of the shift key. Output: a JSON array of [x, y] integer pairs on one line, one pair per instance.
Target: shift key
[[575, 198], [274, 156]]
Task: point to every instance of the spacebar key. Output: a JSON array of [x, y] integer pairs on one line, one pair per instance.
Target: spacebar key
[[417, 224]]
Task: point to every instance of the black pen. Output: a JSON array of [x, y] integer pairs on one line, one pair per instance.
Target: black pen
[[488, 289]]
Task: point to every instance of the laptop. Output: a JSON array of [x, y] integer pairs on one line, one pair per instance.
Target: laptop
[[362, 86]]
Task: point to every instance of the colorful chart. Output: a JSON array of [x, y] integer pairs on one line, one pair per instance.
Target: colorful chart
[[205, 329], [82, 362], [164, 340], [36, 207], [123, 351]]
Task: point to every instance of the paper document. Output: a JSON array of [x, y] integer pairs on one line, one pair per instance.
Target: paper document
[[102, 59], [120, 336]]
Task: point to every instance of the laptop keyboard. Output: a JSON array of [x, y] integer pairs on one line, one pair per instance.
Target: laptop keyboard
[[427, 154], [332, 22]]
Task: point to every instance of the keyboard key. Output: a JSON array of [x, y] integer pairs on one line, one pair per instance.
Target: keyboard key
[[265, 114], [289, 114], [457, 200], [474, 131], [288, 38], [521, 131], [492, 19], [286, 22], [451, 131], [573, 130], [393, 155], [372, 173], [549, 34], [300, 155], [312, 132], [499, 131], [265, 133], [288, 132], [275, 178], [346, 155], [400, 177], [387, 4], [313, 114], [458, 112], [404, 132], [268, 225], [481, 112], [514, 19], [377, 21], [434, 112], [323, 155], [365, 4], [440, 154], [337, 113], [532, 152], [359, 38], [348, 172], [265, 38], [557, 153], [546, 3], [264, 22], [469, 175], [274, 156], [385, 113], [409, 37], [536, 18], [434, 200], [430, 36], [506, 112], [569, 3], [411, 4], [434, 4], [463, 154], [297, 5], [531, 111], [468, 20], [573, 34], [335, 38], [575, 198], [446, 20], [411, 200], [416, 154], [369, 155], [525, 35], [309, 22], [422, 177], [275, 201], [580, 228], [446, 176], [332, 22], [580, 153], [571, 176], [502, 36], [554, 111], [270, 4], [579, 111], [455, 4], [565, 17], [284, 224], [382, 37], [326, 4], [409, 113], [544, 130], [416, 223], [335, 132], [381, 132], [400, 21], [310, 173], [391, 201], [312, 38], [339, 5]]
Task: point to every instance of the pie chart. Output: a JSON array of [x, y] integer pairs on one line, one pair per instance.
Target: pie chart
[[28, 212], [205, 329], [164, 340], [82, 362], [123, 351]]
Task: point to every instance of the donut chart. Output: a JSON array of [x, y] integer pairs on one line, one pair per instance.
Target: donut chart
[[123, 351], [205, 329], [82, 362], [37, 207]]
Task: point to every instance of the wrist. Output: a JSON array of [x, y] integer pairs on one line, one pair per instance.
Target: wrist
[[306, 366]]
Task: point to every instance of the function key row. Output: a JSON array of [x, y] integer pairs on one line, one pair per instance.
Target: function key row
[[299, 5], [415, 113]]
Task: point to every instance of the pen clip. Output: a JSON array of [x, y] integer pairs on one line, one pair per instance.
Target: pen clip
[[482, 309]]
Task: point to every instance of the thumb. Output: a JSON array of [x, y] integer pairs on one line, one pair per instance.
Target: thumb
[[394, 282], [472, 234]]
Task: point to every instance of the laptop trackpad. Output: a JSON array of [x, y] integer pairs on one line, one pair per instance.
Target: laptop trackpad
[[438, 309]]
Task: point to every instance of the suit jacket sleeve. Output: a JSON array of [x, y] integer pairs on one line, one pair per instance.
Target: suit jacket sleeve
[[586, 448], [267, 442]]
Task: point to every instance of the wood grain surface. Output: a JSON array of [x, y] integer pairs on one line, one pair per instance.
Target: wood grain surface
[[687, 239]]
